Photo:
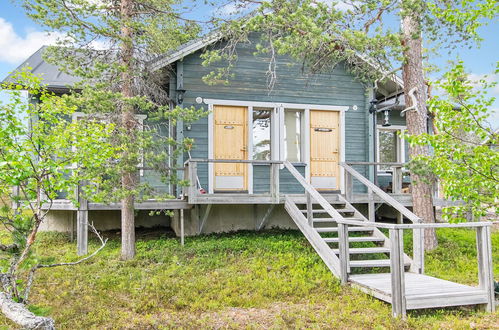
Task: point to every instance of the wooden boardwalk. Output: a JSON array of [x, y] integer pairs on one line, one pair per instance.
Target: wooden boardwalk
[[421, 291], [405, 286]]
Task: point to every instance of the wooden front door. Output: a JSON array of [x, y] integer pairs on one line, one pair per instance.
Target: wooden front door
[[230, 135], [325, 149]]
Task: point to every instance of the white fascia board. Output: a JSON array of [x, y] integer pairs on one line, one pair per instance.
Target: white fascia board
[[168, 59]]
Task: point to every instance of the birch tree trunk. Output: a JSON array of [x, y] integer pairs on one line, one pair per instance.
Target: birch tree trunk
[[128, 178], [413, 76]]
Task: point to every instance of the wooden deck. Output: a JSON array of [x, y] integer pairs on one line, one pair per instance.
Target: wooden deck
[[172, 204], [421, 291]]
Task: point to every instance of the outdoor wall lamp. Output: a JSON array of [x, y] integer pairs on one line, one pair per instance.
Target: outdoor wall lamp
[[180, 95], [386, 119]]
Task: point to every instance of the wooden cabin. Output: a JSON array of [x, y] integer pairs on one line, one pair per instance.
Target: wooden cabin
[[312, 153]]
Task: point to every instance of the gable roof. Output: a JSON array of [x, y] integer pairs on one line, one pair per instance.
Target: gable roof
[[52, 77], [391, 87], [56, 80], [184, 50]]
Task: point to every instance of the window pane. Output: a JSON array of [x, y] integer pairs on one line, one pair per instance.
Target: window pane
[[292, 136], [387, 148], [261, 134]]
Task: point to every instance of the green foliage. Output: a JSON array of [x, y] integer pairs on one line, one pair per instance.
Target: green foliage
[[272, 279], [364, 33], [39, 148], [465, 156], [109, 47]]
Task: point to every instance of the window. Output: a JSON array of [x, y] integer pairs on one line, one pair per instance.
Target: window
[[103, 119], [261, 133], [390, 147], [293, 135]]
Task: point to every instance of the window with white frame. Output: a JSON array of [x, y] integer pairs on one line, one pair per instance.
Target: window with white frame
[[140, 119], [261, 128], [391, 148], [293, 135]]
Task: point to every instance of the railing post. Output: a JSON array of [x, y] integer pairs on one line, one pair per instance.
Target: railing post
[[397, 273], [344, 254], [397, 180], [348, 186], [485, 273], [310, 209], [193, 169], [371, 205], [417, 265], [274, 182]]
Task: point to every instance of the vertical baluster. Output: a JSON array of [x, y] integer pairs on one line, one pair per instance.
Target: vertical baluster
[[485, 273], [397, 180], [348, 186], [193, 169], [418, 250], [344, 254], [397, 273], [371, 205], [274, 182], [310, 208]]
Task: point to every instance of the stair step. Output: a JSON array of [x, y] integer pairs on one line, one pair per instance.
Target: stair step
[[374, 263], [354, 239], [319, 220], [365, 250], [342, 210], [350, 229]]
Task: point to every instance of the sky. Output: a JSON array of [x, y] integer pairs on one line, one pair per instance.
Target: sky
[[20, 37]]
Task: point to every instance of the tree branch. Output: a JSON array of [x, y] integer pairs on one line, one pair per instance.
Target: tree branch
[[33, 270]]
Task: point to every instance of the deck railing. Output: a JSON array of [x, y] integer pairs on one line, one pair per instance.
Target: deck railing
[[418, 234], [191, 174], [484, 256], [397, 174]]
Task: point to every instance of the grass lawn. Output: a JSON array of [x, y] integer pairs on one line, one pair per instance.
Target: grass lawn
[[271, 279]]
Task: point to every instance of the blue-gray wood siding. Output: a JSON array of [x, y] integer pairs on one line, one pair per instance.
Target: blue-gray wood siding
[[249, 83]]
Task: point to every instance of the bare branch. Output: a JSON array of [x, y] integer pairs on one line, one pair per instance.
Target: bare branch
[[33, 270]]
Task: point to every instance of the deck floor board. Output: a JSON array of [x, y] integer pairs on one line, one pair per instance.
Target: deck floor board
[[421, 291]]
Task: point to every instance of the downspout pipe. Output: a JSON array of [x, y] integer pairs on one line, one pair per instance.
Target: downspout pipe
[[372, 110]]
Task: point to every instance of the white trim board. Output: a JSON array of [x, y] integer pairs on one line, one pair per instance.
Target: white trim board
[[277, 134], [276, 105], [400, 145]]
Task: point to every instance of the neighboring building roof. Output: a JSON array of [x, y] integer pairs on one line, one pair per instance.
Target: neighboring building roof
[[52, 77]]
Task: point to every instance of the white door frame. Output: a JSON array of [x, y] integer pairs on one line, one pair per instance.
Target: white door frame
[[277, 134]]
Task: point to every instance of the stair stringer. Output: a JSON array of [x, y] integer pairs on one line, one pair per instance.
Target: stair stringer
[[322, 248]]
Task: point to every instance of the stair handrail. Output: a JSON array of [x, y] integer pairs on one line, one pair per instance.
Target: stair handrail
[[313, 192], [381, 194]]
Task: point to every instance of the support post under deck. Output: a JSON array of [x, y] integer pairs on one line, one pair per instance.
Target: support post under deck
[[82, 224]]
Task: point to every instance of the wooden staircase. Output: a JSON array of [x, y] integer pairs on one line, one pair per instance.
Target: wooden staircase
[[368, 246], [360, 254]]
